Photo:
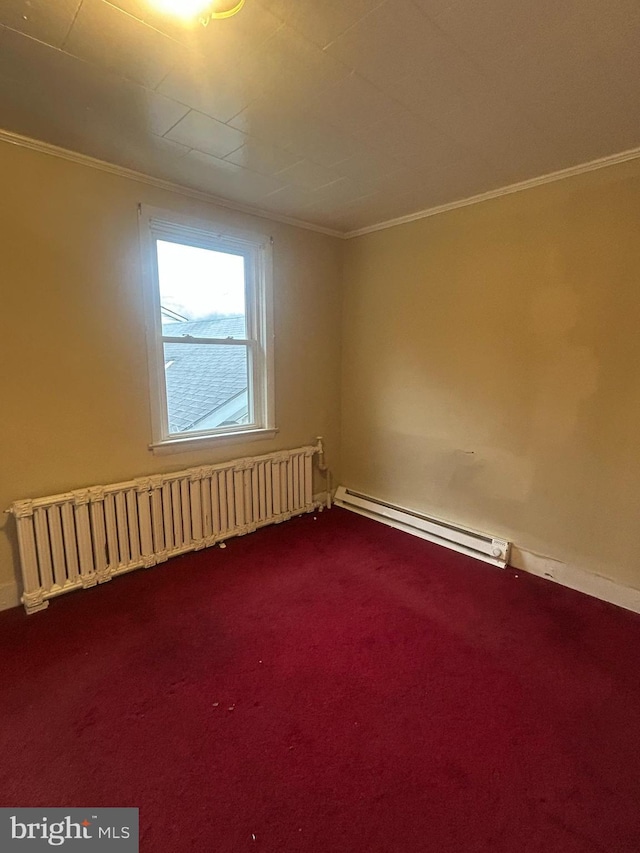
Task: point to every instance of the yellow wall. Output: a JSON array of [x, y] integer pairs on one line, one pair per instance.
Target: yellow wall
[[490, 355], [491, 368], [73, 385]]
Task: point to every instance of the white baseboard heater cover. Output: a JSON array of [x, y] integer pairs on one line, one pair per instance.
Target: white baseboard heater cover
[[85, 537], [470, 542]]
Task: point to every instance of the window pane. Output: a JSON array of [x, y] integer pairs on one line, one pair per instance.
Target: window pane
[[202, 291], [207, 386]]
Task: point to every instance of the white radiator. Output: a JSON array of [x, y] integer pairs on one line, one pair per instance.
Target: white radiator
[[479, 545], [88, 536]]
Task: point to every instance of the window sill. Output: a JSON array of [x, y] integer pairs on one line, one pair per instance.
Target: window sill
[[202, 442]]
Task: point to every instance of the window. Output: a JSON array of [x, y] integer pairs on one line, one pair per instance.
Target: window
[[209, 331]]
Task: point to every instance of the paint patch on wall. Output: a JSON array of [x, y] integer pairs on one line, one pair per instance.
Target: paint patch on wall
[[554, 312], [494, 472], [568, 375], [568, 372]]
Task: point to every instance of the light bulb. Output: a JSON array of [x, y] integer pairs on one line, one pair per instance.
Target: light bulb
[[190, 10], [185, 9]]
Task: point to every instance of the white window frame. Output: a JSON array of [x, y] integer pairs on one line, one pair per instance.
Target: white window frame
[[155, 224]]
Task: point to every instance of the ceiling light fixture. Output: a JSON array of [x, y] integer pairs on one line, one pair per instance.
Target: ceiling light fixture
[[199, 10]]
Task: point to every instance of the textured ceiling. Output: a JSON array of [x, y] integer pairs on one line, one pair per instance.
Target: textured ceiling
[[342, 114]]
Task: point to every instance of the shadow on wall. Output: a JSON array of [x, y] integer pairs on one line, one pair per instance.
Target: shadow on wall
[[10, 533], [568, 372]]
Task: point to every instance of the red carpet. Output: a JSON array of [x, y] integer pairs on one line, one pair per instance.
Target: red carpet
[[387, 695]]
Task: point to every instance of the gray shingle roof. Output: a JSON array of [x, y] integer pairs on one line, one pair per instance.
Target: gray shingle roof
[[202, 377], [219, 327]]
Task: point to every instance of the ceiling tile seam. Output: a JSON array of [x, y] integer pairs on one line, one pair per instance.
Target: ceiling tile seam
[[308, 42], [189, 110], [250, 139], [64, 41], [39, 41], [374, 85], [138, 20], [306, 188], [312, 205], [105, 72], [164, 79], [211, 118], [242, 168], [290, 147], [490, 79], [324, 85], [117, 9], [434, 22], [264, 141], [152, 89], [156, 90], [251, 171], [180, 156], [354, 24], [285, 23], [289, 150], [365, 185]]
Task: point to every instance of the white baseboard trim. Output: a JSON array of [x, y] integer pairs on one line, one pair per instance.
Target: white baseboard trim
[[448, 534], [9, 596], [574, 578]]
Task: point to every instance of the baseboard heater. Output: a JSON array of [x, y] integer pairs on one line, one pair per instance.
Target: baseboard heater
[[479, 545], [88, 536]]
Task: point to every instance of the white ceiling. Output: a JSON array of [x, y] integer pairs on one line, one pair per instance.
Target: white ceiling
[[341, 114]]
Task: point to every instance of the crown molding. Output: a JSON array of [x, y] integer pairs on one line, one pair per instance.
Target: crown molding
[[572, 171], [159, 183]]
